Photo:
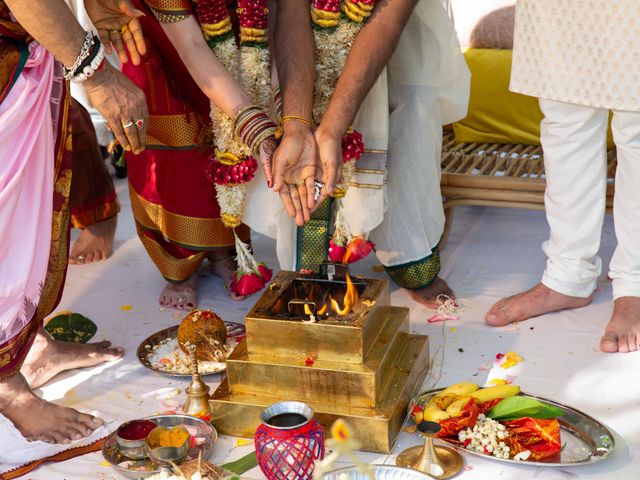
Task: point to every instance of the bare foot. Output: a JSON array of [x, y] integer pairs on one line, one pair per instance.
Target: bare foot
[[223, 265], [536, 301], [429, 295], [94, 243], [37, 419], [48, 357], [622, 333], [181, 296]]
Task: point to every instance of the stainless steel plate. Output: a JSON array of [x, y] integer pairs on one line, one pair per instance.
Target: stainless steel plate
[[381, 472], [145, 468], [584, 439], [235, 333]]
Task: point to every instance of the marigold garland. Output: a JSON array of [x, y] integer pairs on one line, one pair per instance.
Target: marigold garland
[[336, 25], [232, 164], [216, 25], [334, 35]]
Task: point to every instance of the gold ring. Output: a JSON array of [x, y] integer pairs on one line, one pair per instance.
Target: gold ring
[[128, 124], [124, 29]]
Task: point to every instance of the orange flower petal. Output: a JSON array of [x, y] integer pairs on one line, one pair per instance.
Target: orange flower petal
[[340, 431]]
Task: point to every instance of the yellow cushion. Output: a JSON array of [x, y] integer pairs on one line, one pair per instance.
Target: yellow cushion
[[497, 115]]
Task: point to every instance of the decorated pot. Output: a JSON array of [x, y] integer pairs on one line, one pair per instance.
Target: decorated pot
[[289, 441]]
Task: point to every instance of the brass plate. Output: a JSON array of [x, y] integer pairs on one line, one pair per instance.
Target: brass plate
[[449, 457], [585, 440], [145, 468], [235, 334]]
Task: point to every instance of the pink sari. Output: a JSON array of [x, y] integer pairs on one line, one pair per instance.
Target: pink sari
[[27, 170]]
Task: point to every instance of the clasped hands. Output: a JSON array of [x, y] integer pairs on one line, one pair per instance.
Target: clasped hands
[[306, 160]]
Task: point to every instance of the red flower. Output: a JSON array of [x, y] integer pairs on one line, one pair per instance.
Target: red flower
[[352, 146], [264, 271], [358, 248], [221, 174], [336, 252], [245, 284]]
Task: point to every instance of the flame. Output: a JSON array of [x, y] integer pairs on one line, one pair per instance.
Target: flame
[[346, 256], [307, 310], [350, 298], [322, 310]]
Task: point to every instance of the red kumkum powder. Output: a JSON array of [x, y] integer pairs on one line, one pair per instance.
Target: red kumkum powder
[[136, 429]]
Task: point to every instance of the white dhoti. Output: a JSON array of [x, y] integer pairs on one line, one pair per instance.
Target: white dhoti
[[394, 196]]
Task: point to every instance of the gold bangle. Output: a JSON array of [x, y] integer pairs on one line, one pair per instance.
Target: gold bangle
[[296, 118]]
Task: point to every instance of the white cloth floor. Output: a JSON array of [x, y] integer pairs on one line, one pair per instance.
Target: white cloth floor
[[491, 253]]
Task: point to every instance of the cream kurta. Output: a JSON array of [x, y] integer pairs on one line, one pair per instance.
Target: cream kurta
[[585, 52]]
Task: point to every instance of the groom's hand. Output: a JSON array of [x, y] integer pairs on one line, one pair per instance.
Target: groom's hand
[[330, 152], [295, 166]]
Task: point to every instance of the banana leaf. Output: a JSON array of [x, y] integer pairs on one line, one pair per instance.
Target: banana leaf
[[242, 465], [71, 327], [519, 406]]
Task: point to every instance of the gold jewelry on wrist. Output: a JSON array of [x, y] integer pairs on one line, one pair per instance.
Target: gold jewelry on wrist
[[252, 126], [290, 118], [296, 118]]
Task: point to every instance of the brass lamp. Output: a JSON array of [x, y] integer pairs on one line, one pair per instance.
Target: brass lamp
[[197, 403]]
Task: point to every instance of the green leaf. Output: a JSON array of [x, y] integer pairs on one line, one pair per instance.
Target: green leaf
[[71, 327], [242, 465], [519, 406]]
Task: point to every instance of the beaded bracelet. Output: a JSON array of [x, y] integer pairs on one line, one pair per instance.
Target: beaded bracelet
[[85, 51], [252, 126], [87, 70]]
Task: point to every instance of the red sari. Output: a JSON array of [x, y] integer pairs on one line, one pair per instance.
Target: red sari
[[174, 204]]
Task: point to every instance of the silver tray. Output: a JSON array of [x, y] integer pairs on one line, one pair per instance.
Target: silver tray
[[584, 439], [145, 468], [235, 333], [380, 472]]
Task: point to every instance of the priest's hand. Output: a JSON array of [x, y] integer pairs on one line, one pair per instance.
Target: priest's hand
[[122, 104], [295, 167], [118, 25]]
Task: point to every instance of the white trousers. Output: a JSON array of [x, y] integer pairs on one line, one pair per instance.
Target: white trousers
[[573, 138]]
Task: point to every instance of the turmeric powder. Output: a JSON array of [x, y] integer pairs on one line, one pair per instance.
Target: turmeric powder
[[164, 437]]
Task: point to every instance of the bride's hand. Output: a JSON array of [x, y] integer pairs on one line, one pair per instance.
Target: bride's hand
[[267, 149], [295, 167]]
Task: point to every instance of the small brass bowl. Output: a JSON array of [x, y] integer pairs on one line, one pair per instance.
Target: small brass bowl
[[135, 448], [168, 455]]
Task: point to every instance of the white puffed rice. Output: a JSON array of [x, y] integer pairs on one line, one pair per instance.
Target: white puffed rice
[[486, 436]]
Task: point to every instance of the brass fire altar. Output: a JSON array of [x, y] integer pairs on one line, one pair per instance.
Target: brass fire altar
[[362, 366]]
